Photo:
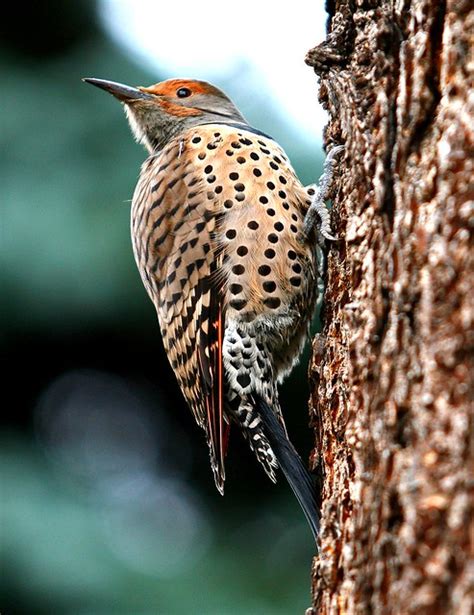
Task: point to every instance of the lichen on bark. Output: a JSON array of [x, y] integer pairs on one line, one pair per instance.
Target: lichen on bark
[[391, 377]]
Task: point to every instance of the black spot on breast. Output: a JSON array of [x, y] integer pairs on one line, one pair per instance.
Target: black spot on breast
[[235, 289], [218, 189], [270, 253], [295, 281], [282, 194], [235, 145], [238, 304], [244, 380], [269, 287], [285, 206], [238, 269], [211, 146], [240, 159], [270, 185], [272, 238], [253, 225], [257, 172], [264, 150], [282, 179], [263, 200], [196, 140], [276, 159], [254, 156], [296, 268], [229, 152], [201, 156], [211, 179], [242, 250], [239, 187], [208, 169], [228, 204], [274, 165], [264, 270], [272, 302], [231, 233], [245, 141], [240, 197], [234, 176], [270, 211], [291, 255], [293, 228], [294, 217], [278, 226]]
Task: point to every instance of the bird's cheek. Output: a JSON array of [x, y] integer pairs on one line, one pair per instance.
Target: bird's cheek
[[177, 110]]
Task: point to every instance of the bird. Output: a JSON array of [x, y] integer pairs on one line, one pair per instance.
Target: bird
[[225, 238]]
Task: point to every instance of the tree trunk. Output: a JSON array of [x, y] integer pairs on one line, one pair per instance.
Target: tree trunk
[[391, 375]]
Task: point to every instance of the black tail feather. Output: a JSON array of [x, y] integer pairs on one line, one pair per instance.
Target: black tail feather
[[292, 466]]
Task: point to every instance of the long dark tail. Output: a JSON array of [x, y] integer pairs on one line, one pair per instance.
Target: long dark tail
[[292, 466]]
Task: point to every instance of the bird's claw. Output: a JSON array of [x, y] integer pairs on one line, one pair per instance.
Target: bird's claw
[[318, 210]]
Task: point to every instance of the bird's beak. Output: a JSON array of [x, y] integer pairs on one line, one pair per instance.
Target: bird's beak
[[124, 93]]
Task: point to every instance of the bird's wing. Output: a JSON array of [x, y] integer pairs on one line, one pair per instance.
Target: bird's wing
[[174, 227]]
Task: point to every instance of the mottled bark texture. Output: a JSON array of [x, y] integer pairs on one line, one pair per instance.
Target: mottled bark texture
[[392, 374]]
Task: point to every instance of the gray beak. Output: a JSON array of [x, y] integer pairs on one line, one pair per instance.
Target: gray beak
[[124, 93]]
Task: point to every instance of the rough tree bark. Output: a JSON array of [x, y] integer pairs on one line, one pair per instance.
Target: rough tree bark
[[392, 376]]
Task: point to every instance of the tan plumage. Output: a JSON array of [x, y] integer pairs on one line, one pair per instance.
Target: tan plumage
[[194, 206], [219, 239]]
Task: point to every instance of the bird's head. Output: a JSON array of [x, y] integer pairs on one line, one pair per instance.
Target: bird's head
[[164, 110]]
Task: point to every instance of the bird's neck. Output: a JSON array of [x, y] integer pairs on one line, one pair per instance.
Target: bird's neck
[[173, 130], [154, 129]]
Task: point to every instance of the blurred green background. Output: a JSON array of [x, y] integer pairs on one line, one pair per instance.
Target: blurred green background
[[108, 503]]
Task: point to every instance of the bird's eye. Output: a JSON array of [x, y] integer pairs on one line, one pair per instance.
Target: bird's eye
[[183, 92]]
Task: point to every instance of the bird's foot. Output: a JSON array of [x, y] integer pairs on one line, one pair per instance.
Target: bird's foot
[[318, 213]]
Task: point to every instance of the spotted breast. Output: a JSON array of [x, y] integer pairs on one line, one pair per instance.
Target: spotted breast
[[217, 239]]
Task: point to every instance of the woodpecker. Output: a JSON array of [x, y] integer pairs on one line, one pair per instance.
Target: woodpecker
[[225, 239]]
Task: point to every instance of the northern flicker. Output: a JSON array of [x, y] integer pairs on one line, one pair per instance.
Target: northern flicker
[[227, 252]]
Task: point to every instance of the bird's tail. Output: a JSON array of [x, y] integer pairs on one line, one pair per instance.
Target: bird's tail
[[291, 464]]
